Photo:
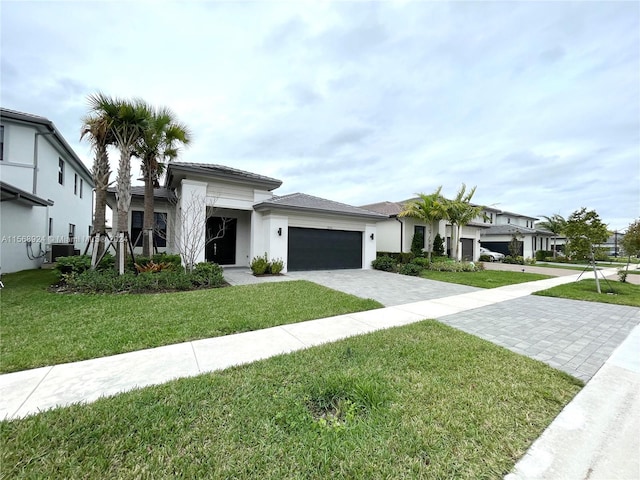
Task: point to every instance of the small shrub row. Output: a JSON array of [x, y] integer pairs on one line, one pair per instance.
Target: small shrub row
[[108, 281], [262, 266], [77, 264], [542, 255], [451, 266], [517, 260], [404, 257], [388, 264]]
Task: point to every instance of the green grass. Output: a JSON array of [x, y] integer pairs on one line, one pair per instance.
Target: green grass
[[43, 328], [484, 278], [421, 401], [623, 293]]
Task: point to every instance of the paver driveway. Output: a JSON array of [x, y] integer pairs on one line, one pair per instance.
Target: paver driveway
[[574, 336]]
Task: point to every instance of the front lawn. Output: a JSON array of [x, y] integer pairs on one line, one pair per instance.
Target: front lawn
[[42, 328], [483, 278], [623, 293], [420, 401]]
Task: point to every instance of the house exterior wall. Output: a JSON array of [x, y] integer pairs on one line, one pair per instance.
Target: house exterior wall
[[388, 236], [30, 163]]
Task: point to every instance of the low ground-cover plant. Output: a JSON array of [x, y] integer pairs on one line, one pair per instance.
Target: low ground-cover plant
[[151, 278], [420, 401], [452, 266]]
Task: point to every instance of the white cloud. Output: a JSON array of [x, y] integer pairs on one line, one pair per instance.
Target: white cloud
[[536, 103]]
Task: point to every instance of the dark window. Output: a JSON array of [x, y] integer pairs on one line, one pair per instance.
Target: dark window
[[75, 184], [72, 232], [50, 226], [159, 230], [61, 171], [1, 142], [420, 229], [81, 185]]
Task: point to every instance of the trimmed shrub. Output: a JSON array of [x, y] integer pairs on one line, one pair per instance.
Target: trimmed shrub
[[517, 260], [542, 255], [417, 244], [410, 269], [386, 264], [207, 274], [259, 265], [170, 259], [406, 257], [73, 265], [438, 246], [485, 258], [277, 266], [421, 262]]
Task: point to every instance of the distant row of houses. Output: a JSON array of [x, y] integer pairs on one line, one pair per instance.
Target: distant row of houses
[[47, 205]]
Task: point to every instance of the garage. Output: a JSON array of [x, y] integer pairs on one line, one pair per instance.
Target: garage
[[320, 249]]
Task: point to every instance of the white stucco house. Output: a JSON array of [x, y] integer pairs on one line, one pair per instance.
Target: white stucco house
[[509, 225], [46, 192], [395, 234], [239, 207]]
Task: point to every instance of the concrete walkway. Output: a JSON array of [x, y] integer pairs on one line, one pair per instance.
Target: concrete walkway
[[574, 336]]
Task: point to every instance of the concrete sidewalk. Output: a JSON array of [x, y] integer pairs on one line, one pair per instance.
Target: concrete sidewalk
[[604, 414], [31, 391]]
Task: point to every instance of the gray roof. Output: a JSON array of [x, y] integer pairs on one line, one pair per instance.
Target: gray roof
[[392, 209], [302, 201], [49, 125], [389, 209], [221, 171], [9, 192], [509, 229]]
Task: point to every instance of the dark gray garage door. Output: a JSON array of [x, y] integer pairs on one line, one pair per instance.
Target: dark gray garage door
[[315, 249]]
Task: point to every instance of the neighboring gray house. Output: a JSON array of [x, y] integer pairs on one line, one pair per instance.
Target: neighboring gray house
[[509, 225], [239, 207], [46, 193]]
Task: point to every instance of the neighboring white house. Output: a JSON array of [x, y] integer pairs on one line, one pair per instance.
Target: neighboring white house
[[47, 192], [509, 226], [395, 234], [239, 207]]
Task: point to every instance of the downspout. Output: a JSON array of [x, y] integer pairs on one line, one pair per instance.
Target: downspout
[[401, 228]]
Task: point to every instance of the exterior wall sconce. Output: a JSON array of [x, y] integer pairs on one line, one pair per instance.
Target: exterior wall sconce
[[280, 231], [372, 236]]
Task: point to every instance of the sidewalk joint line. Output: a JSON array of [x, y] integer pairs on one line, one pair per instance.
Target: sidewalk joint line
[[195, 357], [32, 392]]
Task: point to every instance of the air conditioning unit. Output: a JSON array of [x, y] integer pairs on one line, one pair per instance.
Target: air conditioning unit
[[61, 250]]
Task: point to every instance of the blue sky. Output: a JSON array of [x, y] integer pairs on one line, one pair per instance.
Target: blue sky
[[535, 103]]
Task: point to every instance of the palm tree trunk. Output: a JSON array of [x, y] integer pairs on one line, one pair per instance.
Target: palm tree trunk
[[123, 183], [149, 220]]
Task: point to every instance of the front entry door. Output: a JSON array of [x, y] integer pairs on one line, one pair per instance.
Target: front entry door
[[221, 250]]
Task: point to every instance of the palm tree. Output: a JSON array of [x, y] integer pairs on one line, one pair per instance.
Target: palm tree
[[460, 212], [428, 208], [97, 129], [555, 224], [160, 141], [127, 121]]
